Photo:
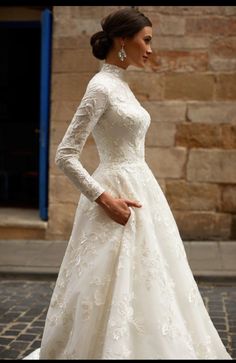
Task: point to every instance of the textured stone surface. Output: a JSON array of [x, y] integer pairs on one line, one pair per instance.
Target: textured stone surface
[[193, 196], [72, 60], [206, 136], [212, 166], [166, 162], [226, 87], [211, 112], [211, 25], [168, 111], [203, 225], [161, 134], [189, 86], [154, 85], [61, 219], [69, 86], [229, 198], [198, 135], [189, 90], [179, 60], [172, 42]]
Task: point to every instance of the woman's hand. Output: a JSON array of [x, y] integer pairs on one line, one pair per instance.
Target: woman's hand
[[117, 208]]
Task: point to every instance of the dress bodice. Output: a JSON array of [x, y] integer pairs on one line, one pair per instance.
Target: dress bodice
[[118, 124], [120, 132]]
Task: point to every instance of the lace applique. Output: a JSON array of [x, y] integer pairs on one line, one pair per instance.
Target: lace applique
[[91, 108]]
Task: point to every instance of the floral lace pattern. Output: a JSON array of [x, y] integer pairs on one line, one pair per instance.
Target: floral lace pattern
[[122, 291]]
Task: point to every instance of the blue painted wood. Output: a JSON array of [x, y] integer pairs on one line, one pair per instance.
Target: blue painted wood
[[45, 78]]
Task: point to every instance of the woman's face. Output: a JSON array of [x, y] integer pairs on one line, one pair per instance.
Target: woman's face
[[138, 47]]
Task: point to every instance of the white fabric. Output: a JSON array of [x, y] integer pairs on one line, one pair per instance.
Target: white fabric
[[122, 291]]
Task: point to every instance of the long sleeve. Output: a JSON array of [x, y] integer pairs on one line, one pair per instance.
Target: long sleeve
[[91, 108]]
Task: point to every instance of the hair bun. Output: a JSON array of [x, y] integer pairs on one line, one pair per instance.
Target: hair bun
[[101, 44]]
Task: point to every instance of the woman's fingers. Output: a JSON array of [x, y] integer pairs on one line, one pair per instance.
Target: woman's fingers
[[132, 203]]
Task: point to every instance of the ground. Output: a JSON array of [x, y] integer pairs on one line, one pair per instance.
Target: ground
[[25, 300]]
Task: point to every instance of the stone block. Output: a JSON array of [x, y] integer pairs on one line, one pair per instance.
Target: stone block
[[227, 251], [79, 41], [188, 10], [211, 112], [228, 136], [69, 86], [203, 225], [63, 111], [223, 47], [175, 43], [170, 24], [57, 132], [155, 19], [229, 10], [167, 162], [211, 25], [62, 190], [189, 86], [195, 135], [61, 12], [166, 111], [73, 61], [66, 25], [31, 255], [233, 227], [146, 85], [217, 166], [222, 65], [179, 60], [53, 168], [61, 218], [226, 87], [229, 198], [161, 134], [87, 12], [205, 255], [193, 196]]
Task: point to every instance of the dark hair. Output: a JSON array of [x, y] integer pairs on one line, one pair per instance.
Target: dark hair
[[121, 23]]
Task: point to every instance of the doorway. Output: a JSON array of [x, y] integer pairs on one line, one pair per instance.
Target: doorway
[[19, 114], [24, 113]]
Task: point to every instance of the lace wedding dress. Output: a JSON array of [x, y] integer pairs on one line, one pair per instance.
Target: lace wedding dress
[[122, 291]]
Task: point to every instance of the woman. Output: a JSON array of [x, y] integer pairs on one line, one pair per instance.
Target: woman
[[125, 288]]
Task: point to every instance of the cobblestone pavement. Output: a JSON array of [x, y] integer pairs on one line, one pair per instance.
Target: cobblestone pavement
[[24, 303]]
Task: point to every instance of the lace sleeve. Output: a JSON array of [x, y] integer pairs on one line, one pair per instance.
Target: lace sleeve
[[92, 106]]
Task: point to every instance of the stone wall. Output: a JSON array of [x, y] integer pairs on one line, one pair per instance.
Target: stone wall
[[189, 90]]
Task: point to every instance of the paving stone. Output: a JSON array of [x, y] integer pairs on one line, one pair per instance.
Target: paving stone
[[25, 337], [12, 333], [9, 353], [26, 302]]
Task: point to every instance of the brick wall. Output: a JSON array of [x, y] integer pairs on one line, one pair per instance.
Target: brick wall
[[189, 90]]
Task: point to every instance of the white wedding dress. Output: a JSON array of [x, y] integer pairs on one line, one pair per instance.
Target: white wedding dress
[[123, 292]]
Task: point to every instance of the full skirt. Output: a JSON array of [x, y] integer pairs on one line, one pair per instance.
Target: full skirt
[[127, 292]]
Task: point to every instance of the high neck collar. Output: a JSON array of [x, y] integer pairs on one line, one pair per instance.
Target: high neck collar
[[115, 70]]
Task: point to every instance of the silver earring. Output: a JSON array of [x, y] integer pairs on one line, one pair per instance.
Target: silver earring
[[122, 54]]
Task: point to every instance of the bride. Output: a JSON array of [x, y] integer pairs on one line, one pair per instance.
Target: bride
[[125, 289]]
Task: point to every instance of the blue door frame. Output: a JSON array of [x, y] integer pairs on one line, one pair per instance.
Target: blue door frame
[[45, 91]]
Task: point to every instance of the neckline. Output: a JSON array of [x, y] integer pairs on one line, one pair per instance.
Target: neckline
[[113, 69]]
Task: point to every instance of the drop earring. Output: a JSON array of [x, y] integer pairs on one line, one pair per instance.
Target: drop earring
[[122, 54]]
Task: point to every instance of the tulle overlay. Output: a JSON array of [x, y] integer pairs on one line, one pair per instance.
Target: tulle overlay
[[122, 291]]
